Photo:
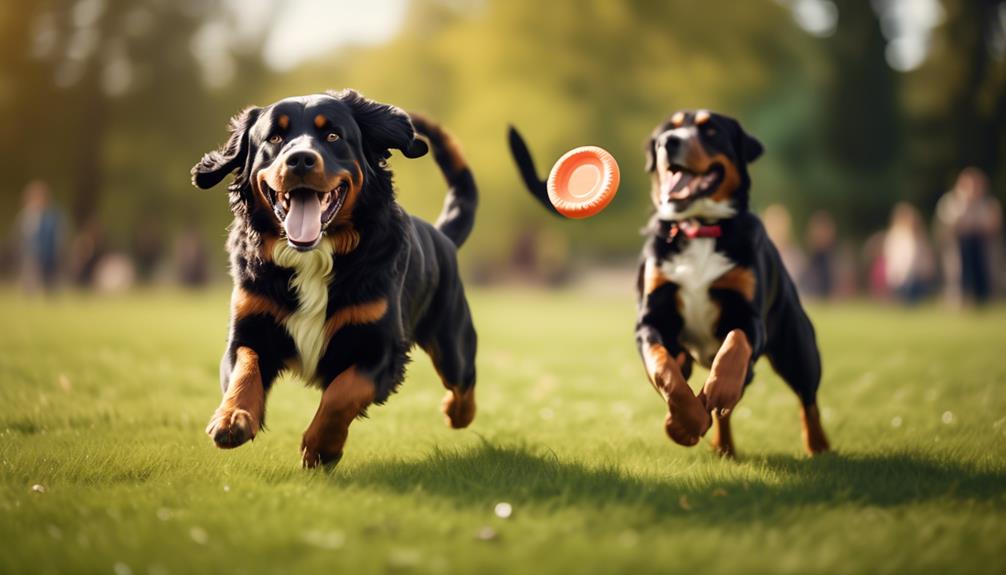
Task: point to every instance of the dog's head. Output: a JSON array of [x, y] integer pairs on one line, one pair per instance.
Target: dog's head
[[303, 165], [698, 163]]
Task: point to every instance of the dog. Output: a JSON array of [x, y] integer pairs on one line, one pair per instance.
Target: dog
[[711, 287], [332, 279]]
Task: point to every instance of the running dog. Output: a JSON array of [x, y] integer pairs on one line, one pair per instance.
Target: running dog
[[332, 279], [711, 286]]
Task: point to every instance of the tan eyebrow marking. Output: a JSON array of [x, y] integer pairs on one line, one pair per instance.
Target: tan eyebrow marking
[[701, 117], [677, 119], [320, 121], [283, 121]]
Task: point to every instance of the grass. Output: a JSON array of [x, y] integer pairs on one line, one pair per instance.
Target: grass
[[104, 403]]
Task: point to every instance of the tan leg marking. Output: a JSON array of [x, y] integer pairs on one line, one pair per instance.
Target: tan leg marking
[[687, 419], [738, 279], [814, 439], [357, 314], [342, 401], [239, 416], [652, 278], [723, 389], [458, 406], [244, 304], [723, 439]]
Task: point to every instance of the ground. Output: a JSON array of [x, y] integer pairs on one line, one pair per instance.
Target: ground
[[104, 466]]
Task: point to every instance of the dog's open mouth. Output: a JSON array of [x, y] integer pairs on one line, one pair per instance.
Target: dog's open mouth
[[678, 183], [305, 212]]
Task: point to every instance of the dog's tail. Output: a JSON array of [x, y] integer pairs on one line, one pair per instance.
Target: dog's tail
[[458, 216], [525, 165]]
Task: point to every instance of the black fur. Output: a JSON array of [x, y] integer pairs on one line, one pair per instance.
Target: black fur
[[774, 320], [400, 258]]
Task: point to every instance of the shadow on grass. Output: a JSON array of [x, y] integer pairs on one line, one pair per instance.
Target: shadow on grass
[[488, 473]]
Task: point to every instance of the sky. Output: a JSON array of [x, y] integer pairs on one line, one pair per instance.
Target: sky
[[302, 29]]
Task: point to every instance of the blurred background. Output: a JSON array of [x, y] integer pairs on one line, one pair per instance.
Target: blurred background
[[884, 123]]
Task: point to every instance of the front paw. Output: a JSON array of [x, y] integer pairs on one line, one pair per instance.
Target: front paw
[[687, 419], [722, 394], [232, 427]]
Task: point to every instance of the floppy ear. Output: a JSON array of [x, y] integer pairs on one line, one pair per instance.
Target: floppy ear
[[752, 148], [651, 154], [232, 156], [383, 126], [748, 147]]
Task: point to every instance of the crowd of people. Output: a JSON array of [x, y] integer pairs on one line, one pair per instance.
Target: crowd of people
[[959, 253], [42, 255]]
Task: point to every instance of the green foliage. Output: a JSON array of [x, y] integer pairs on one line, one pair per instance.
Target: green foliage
[[842, 131], [107, 417]]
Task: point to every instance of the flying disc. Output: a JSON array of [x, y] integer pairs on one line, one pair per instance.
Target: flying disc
[[583, 182]]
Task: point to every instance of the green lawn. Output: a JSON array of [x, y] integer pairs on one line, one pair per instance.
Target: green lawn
[[103, 403]]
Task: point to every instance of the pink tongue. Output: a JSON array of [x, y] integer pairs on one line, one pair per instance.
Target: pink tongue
[[303, 221], [672, 185]]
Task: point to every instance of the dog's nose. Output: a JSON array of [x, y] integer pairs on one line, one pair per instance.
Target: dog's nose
[[301, 163]]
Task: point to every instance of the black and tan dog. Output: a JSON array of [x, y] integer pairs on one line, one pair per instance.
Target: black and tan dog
[[711, 285], [332, 279]]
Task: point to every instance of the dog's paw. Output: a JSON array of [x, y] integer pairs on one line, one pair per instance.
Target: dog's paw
[[680, 433], [231, 428], [687, 419], [312, 456], [459, 408]]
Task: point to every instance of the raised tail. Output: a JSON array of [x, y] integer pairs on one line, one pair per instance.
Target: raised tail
[[458, 216], [528, 171]]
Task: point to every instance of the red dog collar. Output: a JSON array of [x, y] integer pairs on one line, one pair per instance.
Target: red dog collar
[[693, 229]]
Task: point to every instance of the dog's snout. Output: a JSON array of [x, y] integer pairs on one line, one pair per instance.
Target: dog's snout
[[673, 143], [301, 162]]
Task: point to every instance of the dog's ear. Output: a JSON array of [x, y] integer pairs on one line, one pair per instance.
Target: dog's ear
[[748, 146], [752, 148], [233, 156], [383, 126], [651, 154]]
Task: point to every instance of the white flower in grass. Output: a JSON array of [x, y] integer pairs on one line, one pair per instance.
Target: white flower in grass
[[121, 568], [948, 417], [503, 510], [896, 421]]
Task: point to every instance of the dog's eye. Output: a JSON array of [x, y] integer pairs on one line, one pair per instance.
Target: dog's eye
[[332, 137], [710, 132], [275, 139]]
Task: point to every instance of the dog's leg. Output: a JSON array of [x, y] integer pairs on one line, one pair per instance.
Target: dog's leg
[[725, 384], [687, 419], [814, 439], [452, 349], [723, 439], [240, 414], [343, 400]]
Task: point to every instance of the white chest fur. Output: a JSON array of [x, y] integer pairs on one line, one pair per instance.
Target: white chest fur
[[312, 272], [694, 270]]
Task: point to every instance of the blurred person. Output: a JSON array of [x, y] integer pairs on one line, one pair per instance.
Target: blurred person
[[779, 226], [86, 251], [192, 257], [876, 265], [822, 239], [148, 246], [969, 220], [38, 229], [909, 263]]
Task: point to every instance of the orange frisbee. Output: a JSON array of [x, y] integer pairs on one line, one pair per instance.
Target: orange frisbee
[[583, 182]]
